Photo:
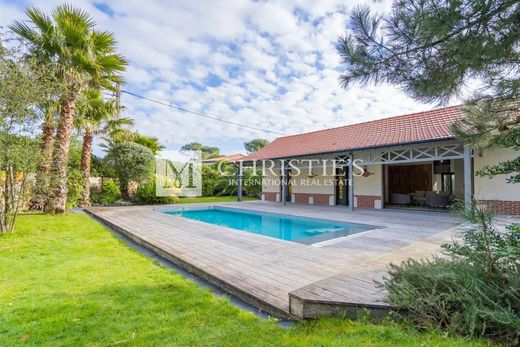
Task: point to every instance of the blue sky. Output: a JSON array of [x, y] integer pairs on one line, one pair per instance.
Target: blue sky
[[270, 65]]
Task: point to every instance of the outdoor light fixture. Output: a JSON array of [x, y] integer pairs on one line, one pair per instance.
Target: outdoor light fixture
[[366, 173]]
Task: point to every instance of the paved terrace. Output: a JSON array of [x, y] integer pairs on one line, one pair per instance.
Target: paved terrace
[[288, 279]]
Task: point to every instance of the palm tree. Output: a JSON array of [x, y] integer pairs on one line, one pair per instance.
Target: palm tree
[[95, 116], [126, 135], [84, 56], [44, 168], [150, 142]]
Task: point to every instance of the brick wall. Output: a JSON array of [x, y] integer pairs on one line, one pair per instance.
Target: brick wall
[[367, 201], [319, 199], [503, 206]]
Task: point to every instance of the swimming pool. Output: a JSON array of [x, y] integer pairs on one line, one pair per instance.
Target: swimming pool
[[284, 227]]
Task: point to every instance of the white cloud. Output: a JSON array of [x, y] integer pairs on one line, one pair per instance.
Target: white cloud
[[270, 65]]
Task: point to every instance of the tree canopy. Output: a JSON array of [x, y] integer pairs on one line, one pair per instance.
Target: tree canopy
[[255, 145], [207, 151], [131, 162], [24, 85], [83, 57], [435, 50]]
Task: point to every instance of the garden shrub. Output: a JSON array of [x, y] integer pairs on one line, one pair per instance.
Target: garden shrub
[[146, 194], [130, 162], [109, 193], [75, 179], [210, 176], [474, 290], [227, 185], [75, 186]]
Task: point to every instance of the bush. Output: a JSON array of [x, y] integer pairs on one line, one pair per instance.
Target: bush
[[227, 185], [210, 176], [474, 290], [109, 194], [75, 186], [75, 180], [146, 194], [131, 162]]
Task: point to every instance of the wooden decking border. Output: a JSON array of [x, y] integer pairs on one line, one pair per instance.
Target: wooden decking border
[[224, 285], [323, 289]]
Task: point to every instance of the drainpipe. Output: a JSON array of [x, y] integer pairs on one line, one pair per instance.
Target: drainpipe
[[351, 182]]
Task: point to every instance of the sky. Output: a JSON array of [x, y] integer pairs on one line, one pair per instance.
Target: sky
[[270, 65]]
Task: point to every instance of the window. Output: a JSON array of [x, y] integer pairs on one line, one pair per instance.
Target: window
[[447, 182]]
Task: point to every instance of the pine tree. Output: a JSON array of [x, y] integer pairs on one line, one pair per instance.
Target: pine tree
[[434, 49]]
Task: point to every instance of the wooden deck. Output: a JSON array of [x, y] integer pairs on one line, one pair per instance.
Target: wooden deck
[[288, 279]]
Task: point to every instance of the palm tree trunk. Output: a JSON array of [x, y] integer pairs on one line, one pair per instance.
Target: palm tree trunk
[[58, 199], [41, 192], [86, 158]]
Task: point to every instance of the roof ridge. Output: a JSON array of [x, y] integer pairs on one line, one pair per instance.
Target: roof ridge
[[374, 120]]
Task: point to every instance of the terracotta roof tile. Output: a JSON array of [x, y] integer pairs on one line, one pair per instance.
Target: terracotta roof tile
[[415, 127], [230, 158]]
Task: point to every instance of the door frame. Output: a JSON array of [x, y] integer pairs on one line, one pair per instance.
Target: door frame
[[345, 176], [288, 192]]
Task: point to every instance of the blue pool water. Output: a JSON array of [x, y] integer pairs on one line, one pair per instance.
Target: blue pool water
[[302, 230]]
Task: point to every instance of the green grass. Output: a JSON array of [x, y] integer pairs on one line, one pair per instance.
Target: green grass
[[66, 280], [202, 199]]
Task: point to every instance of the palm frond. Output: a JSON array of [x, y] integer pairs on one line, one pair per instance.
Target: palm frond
[[40, 19], [25, 32], [112, 62], [103, 41], [67, 15], [85, 56]]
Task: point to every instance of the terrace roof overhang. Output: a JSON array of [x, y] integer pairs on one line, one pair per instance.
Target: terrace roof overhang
[[446, 148]]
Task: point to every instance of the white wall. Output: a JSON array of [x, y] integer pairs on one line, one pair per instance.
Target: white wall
[[495, 188], [457, 167], [269, 182], [371, 185], [319, 184]]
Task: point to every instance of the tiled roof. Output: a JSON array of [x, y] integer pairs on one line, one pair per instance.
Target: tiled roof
[[230, 158], [410, 128]]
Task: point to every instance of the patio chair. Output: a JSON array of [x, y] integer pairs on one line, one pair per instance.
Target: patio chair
[[400, 199], [438, 200], [419, 197]]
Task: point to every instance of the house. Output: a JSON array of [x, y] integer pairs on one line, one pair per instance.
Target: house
[[408, 160], [229, 158]]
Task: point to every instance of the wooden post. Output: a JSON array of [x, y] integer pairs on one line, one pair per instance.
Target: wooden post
[[468, 178], [239, 183], [351, 182], [283, 198]]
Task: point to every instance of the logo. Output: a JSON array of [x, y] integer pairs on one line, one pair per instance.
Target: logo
[[178, 173]]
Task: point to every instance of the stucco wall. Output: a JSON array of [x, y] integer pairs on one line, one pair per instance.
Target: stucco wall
[[318, 184], [458, 169], [269, 182], [495, 188], [371, 185]]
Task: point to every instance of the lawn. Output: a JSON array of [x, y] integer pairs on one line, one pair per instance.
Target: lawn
[[202, 199], [66, 280]]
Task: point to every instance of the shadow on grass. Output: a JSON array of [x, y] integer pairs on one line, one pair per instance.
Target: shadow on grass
[[168, 313]]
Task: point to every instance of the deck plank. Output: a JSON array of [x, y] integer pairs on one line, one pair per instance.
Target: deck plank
[[268, 270]]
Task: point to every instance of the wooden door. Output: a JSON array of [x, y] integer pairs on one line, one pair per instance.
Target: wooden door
[[341, 186], [404, 179]]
